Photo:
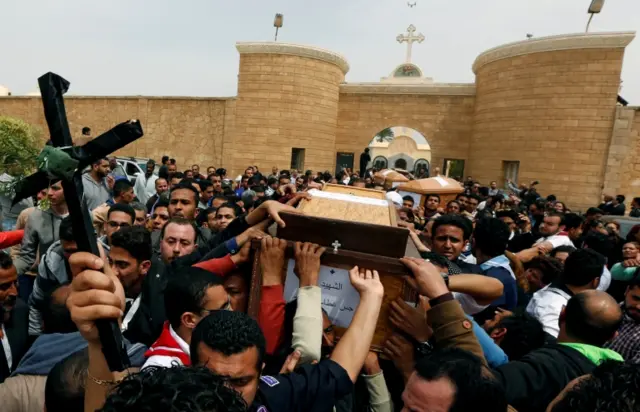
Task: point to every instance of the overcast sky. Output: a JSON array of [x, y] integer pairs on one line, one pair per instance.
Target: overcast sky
[[187, 47]]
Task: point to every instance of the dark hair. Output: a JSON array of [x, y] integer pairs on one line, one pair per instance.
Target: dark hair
[[97, 162], [55, 314], [5, 260], [134, 239], [558, 215], [594, 211], [586, 324], [86, 130], [572, 221], [178, 175], [582, 267], [271, 181], [407, 197], [121, 207], [550, 267], [473, 387], [186, 292], [552, 198], [229, 333], [64, 389], [461, 195], [259, 189], [204, 184], [172, 161], [184, 389], [138, 206], [236, 209], [562, 249], [524, 334], [65, 231], [507, 213], [121, 186], [612, 386], [453, 201], [181, 222], [221, 171], [454, 220], [208, 211], [161, 203], [165, 159], [474, 196], [620, 198], [186, 185], [437, 196], [484, 191], [599, 242], [491, 236], [151, 162], [408, 212]]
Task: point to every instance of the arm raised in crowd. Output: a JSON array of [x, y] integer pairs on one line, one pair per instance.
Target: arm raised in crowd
[[95, 295], [446, 318], [353, 347], [272, 303], [307, 322], [482, 288]]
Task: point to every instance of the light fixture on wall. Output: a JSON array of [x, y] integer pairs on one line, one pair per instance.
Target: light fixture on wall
[[277, 23], [594, 8]]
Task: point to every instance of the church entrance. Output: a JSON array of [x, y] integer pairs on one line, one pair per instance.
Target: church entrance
[[401, 147], [400, 164]]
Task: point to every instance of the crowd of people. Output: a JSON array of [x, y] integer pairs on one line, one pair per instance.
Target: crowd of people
[[523, 305]]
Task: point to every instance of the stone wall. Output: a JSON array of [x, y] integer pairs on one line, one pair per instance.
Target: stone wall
[[446, 121], [189, 129], [622, 175], [287, 98], [551, 105]]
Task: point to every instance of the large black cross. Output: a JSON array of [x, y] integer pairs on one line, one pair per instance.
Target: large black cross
[[52, 88]]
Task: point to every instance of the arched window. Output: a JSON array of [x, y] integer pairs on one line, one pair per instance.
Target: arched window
[[380, 162], [421, 168], [400, 164]]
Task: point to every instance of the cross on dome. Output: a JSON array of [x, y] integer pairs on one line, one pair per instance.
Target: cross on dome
[[410, 38]]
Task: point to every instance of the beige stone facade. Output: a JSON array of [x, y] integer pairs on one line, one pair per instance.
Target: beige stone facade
[[547, 103]]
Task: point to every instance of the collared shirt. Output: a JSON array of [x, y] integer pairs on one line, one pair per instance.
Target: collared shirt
[[7, 347], [546, 305], [627, 342]]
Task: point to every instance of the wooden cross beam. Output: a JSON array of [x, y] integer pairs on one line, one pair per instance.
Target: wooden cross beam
[[52, 88]]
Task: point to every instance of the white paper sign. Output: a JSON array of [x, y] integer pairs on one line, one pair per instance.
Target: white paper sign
[[339, 298]]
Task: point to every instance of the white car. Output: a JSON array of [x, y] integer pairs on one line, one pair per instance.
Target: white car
[[134, 165]]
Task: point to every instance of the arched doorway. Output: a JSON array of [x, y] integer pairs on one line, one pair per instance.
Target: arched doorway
[[380, 162], [421, 168], [401, 148], [400, 164]]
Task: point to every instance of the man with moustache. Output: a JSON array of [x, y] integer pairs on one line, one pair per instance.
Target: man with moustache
[[14, 319]]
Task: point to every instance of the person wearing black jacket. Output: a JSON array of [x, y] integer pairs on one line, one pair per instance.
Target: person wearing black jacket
[[589, 320]]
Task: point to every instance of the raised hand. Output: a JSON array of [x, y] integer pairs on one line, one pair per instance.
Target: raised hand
[[94, 295], [371, 364], [401, 352], [308, 262], [366, 282], [410, 320], [291, 362], [272, 260], [427, 279]]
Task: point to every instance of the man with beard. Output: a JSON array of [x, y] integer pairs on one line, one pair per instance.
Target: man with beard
[[14, 319], [627, 340], [145, 184], [95, 186]]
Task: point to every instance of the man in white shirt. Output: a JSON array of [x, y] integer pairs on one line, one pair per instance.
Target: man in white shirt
[[145, 184], [582, 271], [553, 236], [188, 298]]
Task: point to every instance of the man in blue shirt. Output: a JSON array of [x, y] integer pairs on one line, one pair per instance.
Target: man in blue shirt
[[489, 243]]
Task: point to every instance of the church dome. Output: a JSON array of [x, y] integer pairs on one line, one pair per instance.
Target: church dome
[[4, 91]]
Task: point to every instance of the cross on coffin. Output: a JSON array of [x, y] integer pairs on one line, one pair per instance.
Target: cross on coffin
[[52, 88]]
